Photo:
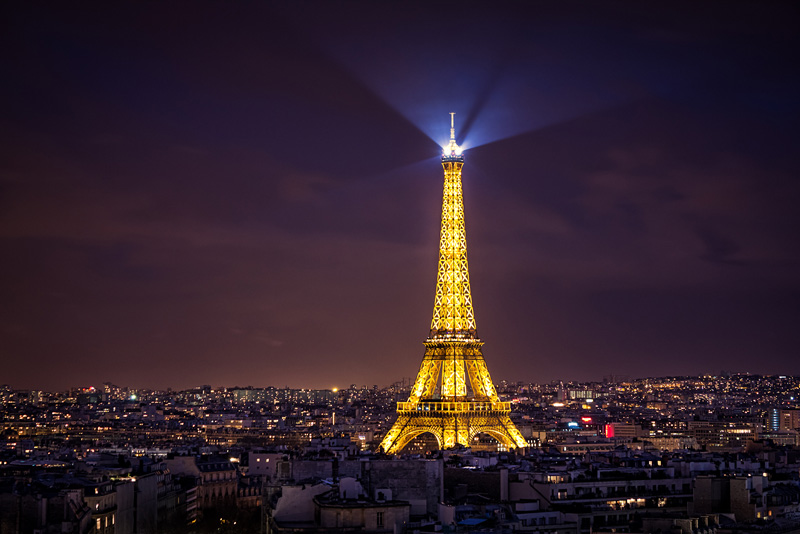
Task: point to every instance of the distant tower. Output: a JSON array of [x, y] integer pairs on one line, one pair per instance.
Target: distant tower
[[453, 397]]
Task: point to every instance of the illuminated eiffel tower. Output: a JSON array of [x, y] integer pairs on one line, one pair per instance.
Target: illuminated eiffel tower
[[453, 397]]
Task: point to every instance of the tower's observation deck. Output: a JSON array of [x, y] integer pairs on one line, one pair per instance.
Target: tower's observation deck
[[453, 396]]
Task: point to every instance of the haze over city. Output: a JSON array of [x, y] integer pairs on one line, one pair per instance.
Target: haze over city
[[251, 195]]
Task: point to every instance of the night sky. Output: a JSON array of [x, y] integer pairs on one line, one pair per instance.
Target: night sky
[[243, 193]]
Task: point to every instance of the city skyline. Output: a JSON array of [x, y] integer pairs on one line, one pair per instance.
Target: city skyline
[[252, 197], [403, 384]]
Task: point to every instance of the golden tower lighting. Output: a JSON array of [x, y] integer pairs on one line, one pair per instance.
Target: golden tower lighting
[[453, 396]]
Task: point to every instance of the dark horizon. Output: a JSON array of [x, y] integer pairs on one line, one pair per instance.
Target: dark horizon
[[410, 380], [194, 195]]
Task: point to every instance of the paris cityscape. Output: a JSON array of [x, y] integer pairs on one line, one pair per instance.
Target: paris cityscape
[[604, 456], [219, 227]]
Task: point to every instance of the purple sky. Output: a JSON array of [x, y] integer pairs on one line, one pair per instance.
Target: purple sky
[[239, 194]]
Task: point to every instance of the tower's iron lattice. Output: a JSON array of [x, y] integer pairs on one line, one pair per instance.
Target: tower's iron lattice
[[453, 396]]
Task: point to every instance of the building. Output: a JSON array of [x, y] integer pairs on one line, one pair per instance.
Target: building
[[341, 507], [453, 397], [781, 420]]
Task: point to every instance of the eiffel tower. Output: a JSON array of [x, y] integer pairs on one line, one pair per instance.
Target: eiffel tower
[[453, 396]]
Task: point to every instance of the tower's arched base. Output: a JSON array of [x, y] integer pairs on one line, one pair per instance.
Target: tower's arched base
[[452, 423]]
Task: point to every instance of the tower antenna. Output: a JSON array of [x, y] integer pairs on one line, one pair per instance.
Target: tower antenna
[[452, 149]]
